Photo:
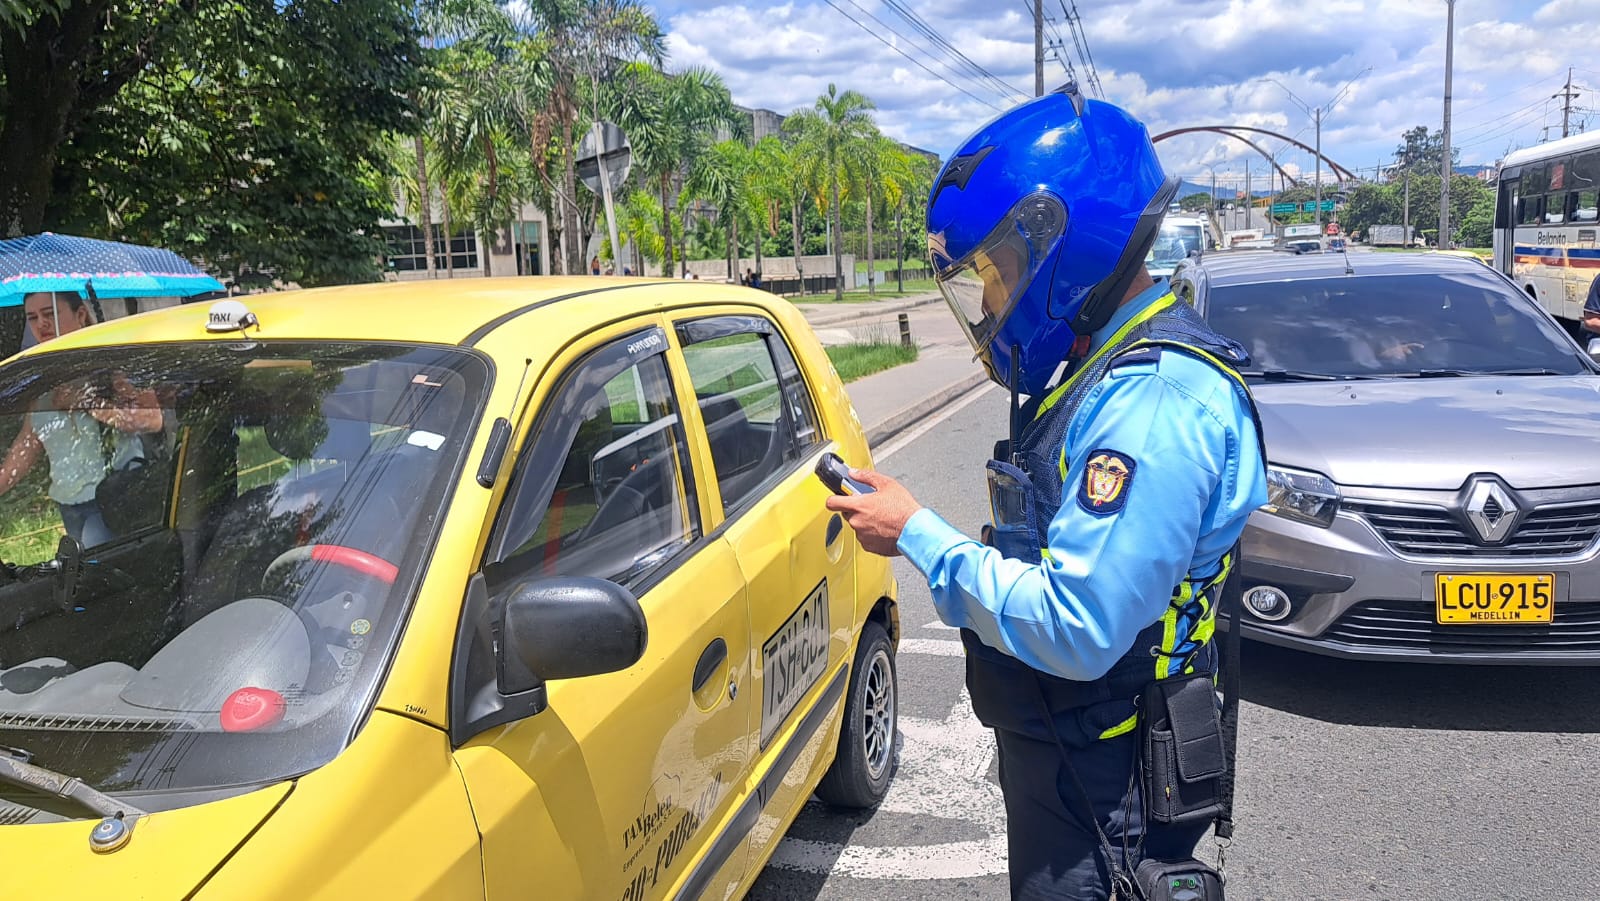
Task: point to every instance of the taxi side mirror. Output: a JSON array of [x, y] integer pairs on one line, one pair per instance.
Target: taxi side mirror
[[1594, 349], [511, 640], [567, 628]]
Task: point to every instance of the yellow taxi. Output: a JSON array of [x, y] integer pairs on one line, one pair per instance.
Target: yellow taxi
[[487, 589]]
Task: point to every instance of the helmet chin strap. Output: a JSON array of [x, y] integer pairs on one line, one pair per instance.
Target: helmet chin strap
[[1105, 297]]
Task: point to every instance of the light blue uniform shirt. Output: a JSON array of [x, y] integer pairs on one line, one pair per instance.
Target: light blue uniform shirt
[[1197, 476]]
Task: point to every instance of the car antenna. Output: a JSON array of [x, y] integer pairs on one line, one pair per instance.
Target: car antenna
[[1345, 249], [527, 364]]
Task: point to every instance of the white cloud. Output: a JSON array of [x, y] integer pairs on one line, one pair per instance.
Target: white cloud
[[1173, 63]]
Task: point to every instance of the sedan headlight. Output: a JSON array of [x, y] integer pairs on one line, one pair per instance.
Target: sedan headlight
[[1308, 497]]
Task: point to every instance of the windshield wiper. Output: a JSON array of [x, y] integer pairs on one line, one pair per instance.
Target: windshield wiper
[[1292, 375], [15, 770], [1455, 373]]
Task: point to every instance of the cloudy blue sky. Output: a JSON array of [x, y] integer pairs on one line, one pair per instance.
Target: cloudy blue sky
[[1174, 63]]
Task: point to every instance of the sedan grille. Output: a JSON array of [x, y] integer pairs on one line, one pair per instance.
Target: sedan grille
[[1434, 532], [1409, 625]]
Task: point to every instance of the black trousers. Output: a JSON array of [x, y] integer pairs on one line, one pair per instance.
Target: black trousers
[[1053, 851]]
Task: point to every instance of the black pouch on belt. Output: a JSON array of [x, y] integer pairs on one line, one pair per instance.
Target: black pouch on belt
[[1180, 740]]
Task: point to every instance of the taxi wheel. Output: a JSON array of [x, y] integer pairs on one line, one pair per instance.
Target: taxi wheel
[[865, 761]]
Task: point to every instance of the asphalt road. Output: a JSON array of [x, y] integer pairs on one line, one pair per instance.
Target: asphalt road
[[1370, 781]]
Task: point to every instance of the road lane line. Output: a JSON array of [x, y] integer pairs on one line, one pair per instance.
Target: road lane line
[[899, 443], [937, 647], [942, 772]]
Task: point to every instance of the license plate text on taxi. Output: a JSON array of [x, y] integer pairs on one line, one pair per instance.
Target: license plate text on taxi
[[793, 659], [1484, 598]]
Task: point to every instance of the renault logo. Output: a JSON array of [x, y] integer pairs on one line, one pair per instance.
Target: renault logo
[[1491, 510]]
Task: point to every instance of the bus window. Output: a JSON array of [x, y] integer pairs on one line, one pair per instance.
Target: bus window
[[1555, 209], [1505, 207], [1531, 210], [1586, 171], [1587, 208]]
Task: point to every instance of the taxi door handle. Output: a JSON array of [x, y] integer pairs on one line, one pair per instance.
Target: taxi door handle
[[710, 661], [835, 527]]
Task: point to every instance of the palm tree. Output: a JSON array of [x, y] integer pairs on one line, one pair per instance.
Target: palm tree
[[829, 133], [443, 23], [913, 179], [584, 39], [670, 120], [795, 175], [718, 177], [767, 187]]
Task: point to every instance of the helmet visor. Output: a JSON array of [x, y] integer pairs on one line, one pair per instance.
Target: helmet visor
[[983, 286]]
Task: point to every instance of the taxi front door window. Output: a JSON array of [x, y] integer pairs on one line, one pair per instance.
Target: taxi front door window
[[602, 490]]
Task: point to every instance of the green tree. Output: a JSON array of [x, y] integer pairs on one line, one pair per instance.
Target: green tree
[[671, 121], [719, 178], [587, 42], [886, 174], [1367, 205], [1422, 151], [1477, 226], [450, 28], [828, 133], [1198, 202], [250, 136]]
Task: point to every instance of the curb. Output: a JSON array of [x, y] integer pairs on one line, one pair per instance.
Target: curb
[[921, 409], [866, 310]]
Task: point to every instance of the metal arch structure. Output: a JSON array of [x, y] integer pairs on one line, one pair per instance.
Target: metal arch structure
[[1228, 131]]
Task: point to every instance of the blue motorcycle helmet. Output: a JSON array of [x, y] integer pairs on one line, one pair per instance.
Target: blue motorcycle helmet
[[1037, 226]]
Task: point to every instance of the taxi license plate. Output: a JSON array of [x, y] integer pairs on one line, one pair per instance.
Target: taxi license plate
[[1489, 598]]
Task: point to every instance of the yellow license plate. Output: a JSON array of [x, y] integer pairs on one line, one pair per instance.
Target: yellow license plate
[[1488, 598]]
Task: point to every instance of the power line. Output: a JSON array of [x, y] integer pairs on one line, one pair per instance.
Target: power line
[[912, 42], [921, 25], [887, 43], [1081, 41], [1058, 47]]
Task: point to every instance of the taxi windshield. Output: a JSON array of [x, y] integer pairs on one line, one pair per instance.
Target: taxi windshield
[[208, 550]]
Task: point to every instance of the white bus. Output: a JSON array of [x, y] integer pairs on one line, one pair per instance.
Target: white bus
[[1547, 221]]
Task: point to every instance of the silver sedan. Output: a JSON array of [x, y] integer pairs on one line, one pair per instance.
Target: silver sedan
[[1434, 448]]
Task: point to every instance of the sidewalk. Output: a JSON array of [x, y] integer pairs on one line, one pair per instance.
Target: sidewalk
[[901, 398], [898, 399], [826, 314]]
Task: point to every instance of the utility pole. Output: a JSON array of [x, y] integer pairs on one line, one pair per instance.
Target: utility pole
[[1249, 196], [1318, 207], [1038, 48], [1444, 177], [1405, 228], [1567, 94]]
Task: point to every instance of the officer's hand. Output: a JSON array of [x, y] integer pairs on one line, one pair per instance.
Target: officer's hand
[[879, 517]]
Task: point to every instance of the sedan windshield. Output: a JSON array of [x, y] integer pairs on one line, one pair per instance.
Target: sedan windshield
[[1392, 325], [208, 550]]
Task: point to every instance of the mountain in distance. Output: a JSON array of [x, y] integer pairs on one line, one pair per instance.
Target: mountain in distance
[[1224, 191]]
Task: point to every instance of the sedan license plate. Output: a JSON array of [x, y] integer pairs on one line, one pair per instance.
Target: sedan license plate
[[1486, 598]]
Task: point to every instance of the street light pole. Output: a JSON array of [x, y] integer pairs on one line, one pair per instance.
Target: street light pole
[[1316, 115], [1318, 207], [1444, 179]]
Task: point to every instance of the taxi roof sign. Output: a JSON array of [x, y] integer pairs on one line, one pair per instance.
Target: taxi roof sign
[[230, 316]]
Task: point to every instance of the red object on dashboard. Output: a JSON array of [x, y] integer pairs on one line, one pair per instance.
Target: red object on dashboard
[[360, 561], [249, 709]]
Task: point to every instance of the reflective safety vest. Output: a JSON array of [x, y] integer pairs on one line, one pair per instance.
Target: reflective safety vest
[[1005, 691]]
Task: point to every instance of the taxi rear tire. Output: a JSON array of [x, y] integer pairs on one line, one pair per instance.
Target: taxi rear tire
[[864, 764]]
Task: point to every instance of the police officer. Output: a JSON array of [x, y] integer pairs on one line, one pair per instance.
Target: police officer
[[1119, 500]]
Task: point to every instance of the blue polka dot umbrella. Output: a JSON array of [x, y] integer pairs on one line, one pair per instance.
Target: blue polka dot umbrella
[[87, 267]]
